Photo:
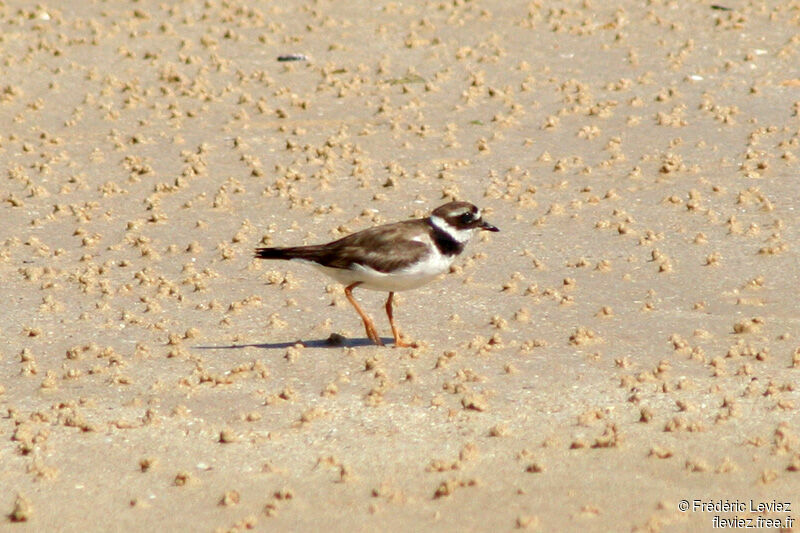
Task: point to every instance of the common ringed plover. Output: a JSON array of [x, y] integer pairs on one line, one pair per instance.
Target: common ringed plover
[[391, 257]]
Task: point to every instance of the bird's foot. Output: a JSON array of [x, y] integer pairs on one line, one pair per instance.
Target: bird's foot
[[373, 335], [400, 343]]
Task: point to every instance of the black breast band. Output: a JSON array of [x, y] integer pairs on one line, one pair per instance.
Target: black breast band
[[446, 244]]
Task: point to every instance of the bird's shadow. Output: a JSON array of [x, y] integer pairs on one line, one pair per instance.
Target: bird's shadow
[[334, 341]]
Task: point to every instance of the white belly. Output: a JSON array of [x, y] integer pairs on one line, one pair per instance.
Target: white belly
[[404, 279]]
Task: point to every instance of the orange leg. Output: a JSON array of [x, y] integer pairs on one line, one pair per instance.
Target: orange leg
[[368, 325], [396, 332]]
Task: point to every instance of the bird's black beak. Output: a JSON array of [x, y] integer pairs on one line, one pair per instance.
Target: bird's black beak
[[488, 227]]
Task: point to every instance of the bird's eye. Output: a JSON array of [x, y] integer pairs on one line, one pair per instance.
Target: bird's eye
[[467, 218]]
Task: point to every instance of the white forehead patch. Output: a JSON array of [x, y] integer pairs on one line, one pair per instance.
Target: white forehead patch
[[465, 210], [458, 213]]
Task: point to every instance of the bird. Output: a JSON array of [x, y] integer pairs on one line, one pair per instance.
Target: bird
[[391, 257]]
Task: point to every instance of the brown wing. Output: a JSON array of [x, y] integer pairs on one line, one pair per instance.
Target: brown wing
[[383, 248]]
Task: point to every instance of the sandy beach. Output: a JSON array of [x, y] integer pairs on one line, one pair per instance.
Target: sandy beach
[[623, 355]]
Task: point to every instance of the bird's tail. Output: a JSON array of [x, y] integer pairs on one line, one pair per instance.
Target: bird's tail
[[291, 252]]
